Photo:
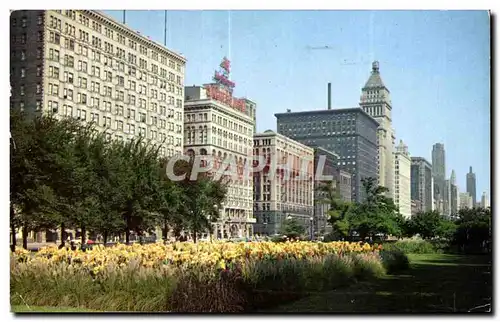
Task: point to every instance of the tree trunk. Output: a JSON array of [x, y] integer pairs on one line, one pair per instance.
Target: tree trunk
[[62, 234], [25, 236], [13, 230], [165, 231], [13, 227], [194, 236], [127, 231], [84, 232], [105, 238], [127, 237]]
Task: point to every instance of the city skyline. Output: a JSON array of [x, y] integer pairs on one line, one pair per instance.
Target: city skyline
[[433, 61]]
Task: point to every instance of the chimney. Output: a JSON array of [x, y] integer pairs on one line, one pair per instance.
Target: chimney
[[329, 96]]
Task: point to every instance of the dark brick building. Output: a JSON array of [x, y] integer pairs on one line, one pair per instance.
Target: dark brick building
[[350, 132]]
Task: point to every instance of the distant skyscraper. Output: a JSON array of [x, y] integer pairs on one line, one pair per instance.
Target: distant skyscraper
[[465, 201], [453, 194], [376, 101], [471, 185], [402, 183], [453, 178], [421, 183], [447, 198], [439, 175], [485, 202]]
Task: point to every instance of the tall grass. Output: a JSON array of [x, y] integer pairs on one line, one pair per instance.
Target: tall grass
[[132, 287], [413, 247]]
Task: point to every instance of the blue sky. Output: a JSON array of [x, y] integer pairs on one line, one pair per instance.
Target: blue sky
[[435, 63]]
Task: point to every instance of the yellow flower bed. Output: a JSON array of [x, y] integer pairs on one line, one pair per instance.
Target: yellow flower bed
[[186, 255]]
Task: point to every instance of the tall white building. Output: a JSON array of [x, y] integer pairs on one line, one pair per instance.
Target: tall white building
[[434, 206], [83, 64], [454, 194], [218, 124], [465, 201], [278, 199], [485, 202], [376, 101], [402, 182]]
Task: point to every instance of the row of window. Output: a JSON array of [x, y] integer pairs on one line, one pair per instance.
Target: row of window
[[220, 120], [55, 23], [95, 102], [169, 80], [69, 29], [54, 72], [24, 21], [105, 121]]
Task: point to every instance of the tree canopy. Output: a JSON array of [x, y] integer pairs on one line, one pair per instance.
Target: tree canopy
[[66, 174]]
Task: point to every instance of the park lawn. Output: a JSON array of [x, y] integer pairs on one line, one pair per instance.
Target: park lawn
[[435, 283], [46, 309]]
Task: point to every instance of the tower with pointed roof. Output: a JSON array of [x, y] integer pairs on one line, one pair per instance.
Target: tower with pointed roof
[[376, 101]]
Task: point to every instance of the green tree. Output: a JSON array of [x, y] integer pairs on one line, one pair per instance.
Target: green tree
[[37, 152], [203, 199], [140, 176], [292, 228], [473, 228], [169, 200], [427, 224], [79, 188], [377, 214], [338, 209], [110, 168]]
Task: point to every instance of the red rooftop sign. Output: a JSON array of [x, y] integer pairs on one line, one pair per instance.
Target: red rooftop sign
[[222, 88]]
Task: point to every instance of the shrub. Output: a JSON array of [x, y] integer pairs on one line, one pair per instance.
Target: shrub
[[223, 294], [412, 247], [368, 266], [394, 260]]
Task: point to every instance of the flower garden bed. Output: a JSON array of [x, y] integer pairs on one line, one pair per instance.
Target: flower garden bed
[[187, 277]]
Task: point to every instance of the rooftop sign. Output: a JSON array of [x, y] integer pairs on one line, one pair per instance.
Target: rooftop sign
[[222, 88]]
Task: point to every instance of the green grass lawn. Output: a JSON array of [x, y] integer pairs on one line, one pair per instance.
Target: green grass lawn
[[435, 283], [45, 309]]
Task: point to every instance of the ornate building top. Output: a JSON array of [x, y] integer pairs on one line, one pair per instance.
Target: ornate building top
[[375, 81]]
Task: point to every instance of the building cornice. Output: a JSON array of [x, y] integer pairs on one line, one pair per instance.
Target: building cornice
[[213, 104], [110, 22]]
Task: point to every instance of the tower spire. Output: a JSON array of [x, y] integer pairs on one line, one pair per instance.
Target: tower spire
[[375, 81]]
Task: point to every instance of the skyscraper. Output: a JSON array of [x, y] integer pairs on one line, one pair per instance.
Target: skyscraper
[[454, 201], [376, 101], [485, 202], [349, 132], [402, 182], [471, 185], [421, 183], [83, 64], [441, 193], [447, 198], [465, 201]]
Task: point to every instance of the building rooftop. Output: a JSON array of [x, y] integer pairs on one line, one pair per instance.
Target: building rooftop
[[421, 159], [271, 133], [332, 111], [138, 34], [318, 149], [374, 81]]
